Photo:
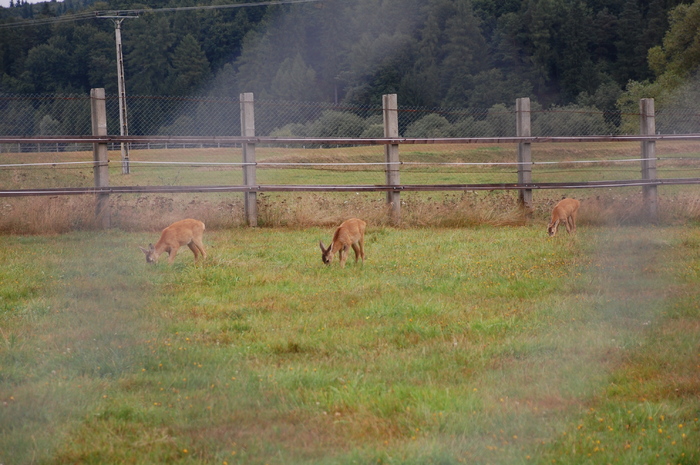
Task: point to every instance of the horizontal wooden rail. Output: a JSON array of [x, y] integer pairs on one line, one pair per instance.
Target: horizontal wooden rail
[[347, 188], [234, 140]]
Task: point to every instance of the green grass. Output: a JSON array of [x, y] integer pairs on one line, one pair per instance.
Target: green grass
[[481, 342], [449, 345]]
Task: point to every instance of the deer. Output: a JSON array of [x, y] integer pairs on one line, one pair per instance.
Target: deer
[[184, 232], [350, 233], [565, 211]]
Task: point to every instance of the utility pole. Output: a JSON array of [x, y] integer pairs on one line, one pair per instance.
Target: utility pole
[[123, 120]]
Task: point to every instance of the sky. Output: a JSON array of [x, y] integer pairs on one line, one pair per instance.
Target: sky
[[6, 3]]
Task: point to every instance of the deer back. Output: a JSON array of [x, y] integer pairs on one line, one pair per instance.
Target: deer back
[[564, 209], [180, 233], [349, 232]]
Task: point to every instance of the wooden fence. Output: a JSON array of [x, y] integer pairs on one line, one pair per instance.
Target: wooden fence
[[391, 141]]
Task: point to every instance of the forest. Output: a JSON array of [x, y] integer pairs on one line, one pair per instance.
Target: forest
[[435, 53]]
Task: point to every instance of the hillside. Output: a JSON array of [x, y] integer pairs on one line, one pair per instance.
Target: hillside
[[450, 53]]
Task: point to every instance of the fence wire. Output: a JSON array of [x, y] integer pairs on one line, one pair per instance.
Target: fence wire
[[168, 163], [41, 115]]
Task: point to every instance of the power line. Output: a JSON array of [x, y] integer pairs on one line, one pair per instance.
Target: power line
[[205, 7], [43, 21], [110, 13]]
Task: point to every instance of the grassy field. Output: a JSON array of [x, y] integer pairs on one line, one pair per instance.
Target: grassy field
[[468, 335], [423, 164], [449, 345]]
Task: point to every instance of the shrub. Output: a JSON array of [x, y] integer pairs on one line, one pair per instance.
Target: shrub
[[470, 127], [373, 131], [570, 121], [290, 130], [432, 125], [337, 124]]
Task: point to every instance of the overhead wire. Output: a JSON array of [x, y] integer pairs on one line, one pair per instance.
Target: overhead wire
[[82, 16]]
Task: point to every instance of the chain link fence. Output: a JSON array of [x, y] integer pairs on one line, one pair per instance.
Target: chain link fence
[[40, 115], [35, 115], [168, 163]]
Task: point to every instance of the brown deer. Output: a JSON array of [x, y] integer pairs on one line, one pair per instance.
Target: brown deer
[[350, 233], [565, 211], [184, 232]]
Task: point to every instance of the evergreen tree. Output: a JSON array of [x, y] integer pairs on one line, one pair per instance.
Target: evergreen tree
[[574, 68], [294, 81], [435, 52], [603, 39], [45, 68], [148, 42], [190, 66], [631, 53], [464, 53]]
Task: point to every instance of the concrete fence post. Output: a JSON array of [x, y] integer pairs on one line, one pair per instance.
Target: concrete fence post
[[391, 154], [249, 173], [523, 129], [98, 110], [647, 127]]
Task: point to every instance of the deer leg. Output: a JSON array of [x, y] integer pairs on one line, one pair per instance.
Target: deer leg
[[171, 256], [343, 255], [356, 248], [200, 246], [194, 249]]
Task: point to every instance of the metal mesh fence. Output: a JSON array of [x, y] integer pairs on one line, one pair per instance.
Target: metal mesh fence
[[677, 121], [40, 115], [180, 116], [170, 163]]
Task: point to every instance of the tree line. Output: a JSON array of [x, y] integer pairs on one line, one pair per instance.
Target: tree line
[[437, 53]]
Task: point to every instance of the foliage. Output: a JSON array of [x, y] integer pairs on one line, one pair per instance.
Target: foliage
[[432, 125], [337, 124], [680, 52], [450, 53], [675, 63], [571, 120]]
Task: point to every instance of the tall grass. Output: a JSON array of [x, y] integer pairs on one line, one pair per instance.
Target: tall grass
[[61, 214], [134, 212]]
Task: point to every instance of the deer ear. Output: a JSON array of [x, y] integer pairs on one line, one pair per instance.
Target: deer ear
[[320, 244], [144, 250], [151, 248]]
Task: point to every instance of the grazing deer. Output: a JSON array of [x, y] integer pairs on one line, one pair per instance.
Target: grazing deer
[[351, 233], [565, 211], [184, 232]]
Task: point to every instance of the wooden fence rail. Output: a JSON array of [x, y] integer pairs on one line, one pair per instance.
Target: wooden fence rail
[[345, 188], [237, 141], [392, 142]]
